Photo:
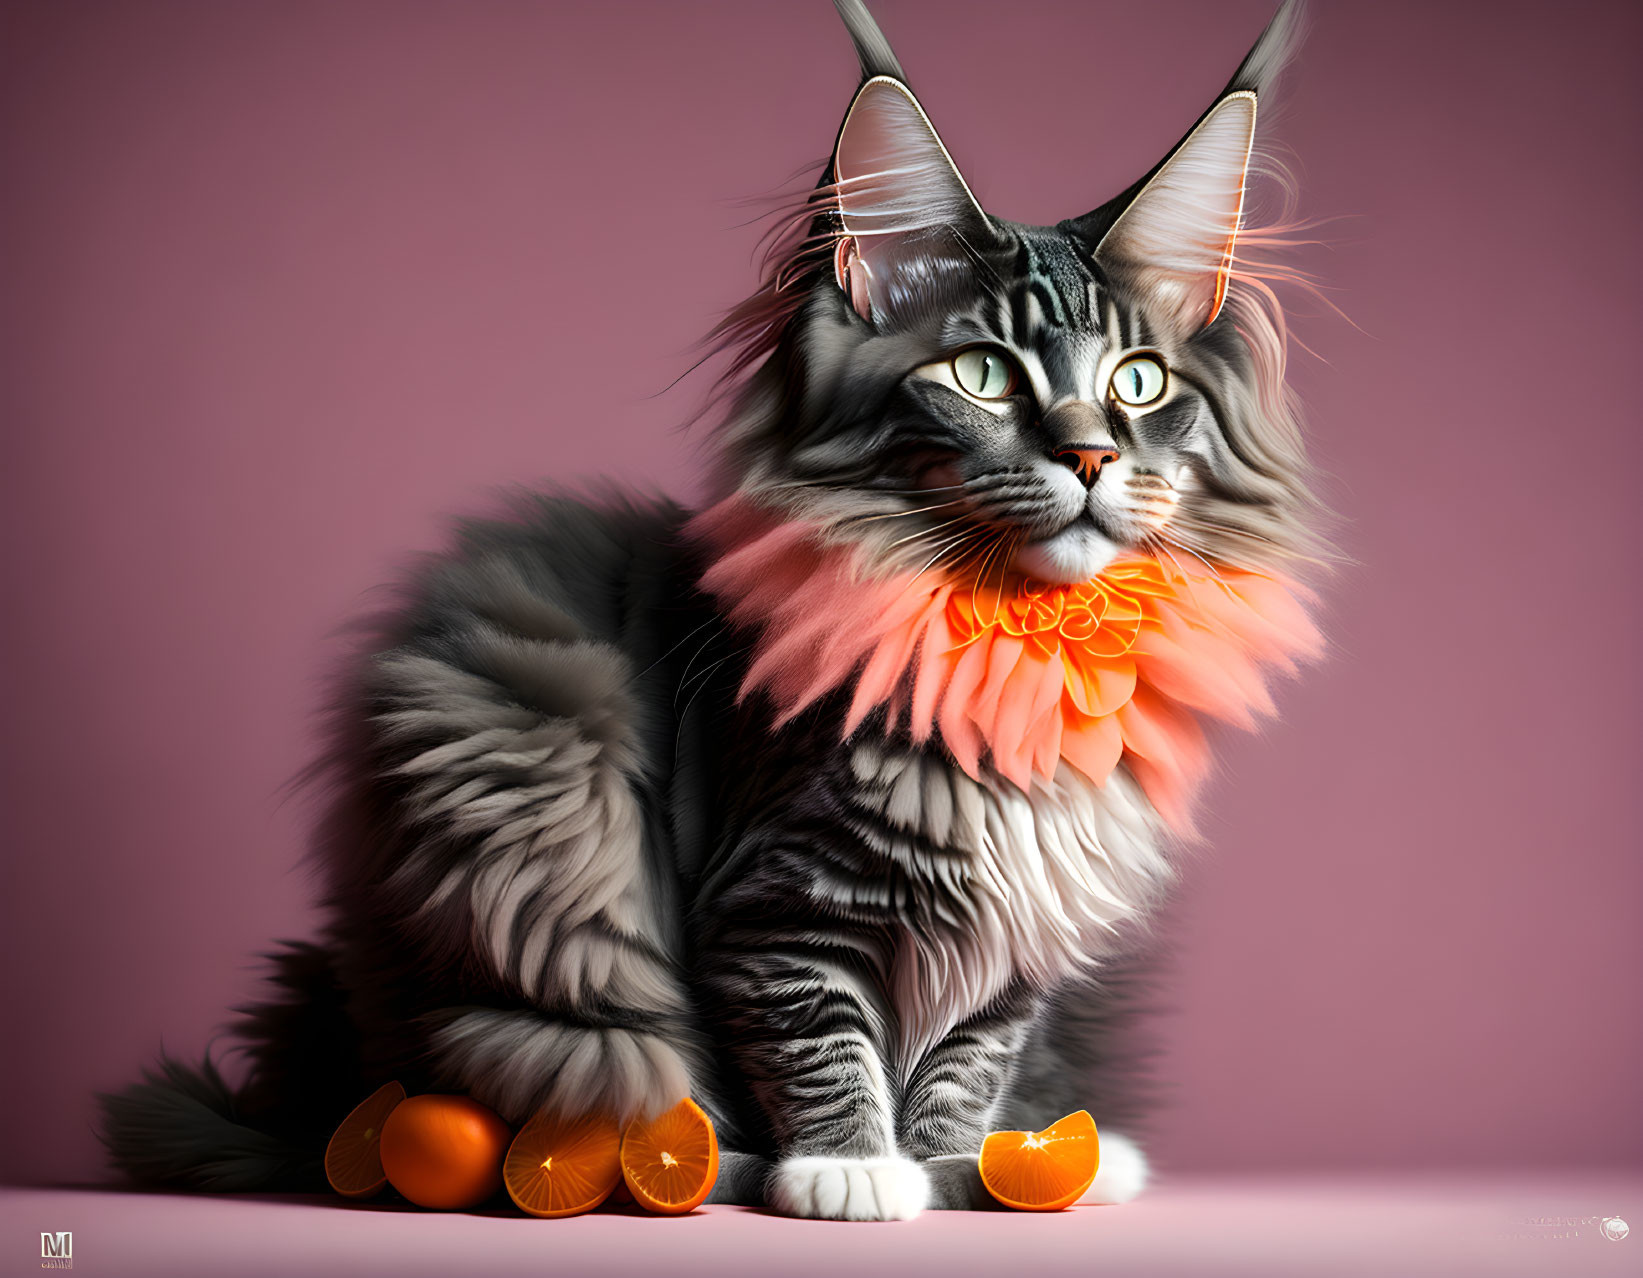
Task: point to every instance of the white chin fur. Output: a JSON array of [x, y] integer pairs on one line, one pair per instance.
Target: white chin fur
[[849, 1188], [1074, 554], [1122, 1174]]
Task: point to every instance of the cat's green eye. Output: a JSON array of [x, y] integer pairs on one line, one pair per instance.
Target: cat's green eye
[[1139, 380], [984, 373]]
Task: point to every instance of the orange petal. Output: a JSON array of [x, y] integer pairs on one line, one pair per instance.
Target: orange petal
[[932, 668], [1098, 685], [1163, 733], [1093, 746], [958, 727], [1003, 654], [883, 671], [1023, 695], [1047, 740]]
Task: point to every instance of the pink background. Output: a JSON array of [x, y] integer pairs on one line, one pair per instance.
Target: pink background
[[286, 285]]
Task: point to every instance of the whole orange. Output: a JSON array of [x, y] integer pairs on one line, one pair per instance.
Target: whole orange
[[444, 1151]]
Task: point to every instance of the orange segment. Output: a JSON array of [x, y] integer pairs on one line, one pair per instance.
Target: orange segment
[[669, 1162], [563, 1166], [353, 1159], [1042, 1171], [444, 1151]]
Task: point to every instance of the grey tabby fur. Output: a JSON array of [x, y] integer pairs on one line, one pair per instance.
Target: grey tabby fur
[[567, 869]]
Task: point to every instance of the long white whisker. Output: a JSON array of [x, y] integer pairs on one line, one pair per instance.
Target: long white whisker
[[925, 532], [968, 533], [900, 514]]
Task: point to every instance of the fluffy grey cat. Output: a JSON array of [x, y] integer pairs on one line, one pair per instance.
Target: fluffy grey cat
[[630, 802]]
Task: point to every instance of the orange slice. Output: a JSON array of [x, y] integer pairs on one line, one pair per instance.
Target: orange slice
[[669, 1162], [444, 1151], [1042, 1171], [563, 1166], [353, 1159]]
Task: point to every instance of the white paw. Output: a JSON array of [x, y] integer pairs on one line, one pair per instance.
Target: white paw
[[849, 1188], [1122, 1174]]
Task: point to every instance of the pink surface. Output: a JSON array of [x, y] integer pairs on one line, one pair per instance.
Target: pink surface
[[1263, 1228], [287, 283]]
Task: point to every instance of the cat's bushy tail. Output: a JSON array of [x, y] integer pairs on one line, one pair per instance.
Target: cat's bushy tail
[[185, 1127]]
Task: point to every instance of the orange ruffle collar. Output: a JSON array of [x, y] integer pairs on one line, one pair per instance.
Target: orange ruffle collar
[[1117, 669]]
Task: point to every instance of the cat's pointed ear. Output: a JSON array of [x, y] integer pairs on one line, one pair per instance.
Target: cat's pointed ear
[[1178, 233], [906, 215], [1176, 230]]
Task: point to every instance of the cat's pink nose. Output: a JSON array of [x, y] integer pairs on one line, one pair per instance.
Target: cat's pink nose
[[1085, 460]]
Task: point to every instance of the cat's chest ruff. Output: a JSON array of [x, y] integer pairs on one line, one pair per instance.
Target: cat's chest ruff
[[1011, 885], [1022, 680]]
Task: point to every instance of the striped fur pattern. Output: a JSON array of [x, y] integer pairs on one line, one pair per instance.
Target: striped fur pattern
[[566, 868]]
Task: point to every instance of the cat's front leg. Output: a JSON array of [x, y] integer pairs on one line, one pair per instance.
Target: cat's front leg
[[806, 1032], [953, 1094]]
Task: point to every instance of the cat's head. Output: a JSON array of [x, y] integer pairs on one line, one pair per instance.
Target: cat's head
[[964, 395]]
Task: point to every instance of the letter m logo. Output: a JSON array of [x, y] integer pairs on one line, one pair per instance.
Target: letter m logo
[[57, 1246]]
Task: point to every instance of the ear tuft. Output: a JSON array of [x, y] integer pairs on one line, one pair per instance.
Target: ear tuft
[[873, 51], [1272, 52], [1174, 232]]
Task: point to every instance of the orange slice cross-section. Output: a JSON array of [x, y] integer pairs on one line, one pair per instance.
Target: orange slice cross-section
[[1042, 1171], [563, 1166], [670, 1162], [353, 1159]]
